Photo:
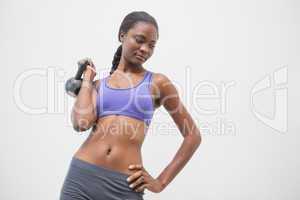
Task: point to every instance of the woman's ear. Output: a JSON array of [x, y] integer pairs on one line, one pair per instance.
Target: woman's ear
[[122, 35]]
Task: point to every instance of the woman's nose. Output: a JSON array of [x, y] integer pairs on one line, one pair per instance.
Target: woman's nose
[[144, 48]]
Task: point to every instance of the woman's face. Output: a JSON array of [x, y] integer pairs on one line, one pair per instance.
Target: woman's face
[[138, 43]]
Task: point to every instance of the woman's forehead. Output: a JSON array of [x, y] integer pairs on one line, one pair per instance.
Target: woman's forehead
[[147, 30]]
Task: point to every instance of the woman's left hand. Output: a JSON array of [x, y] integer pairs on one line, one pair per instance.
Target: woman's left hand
[[141, 180]]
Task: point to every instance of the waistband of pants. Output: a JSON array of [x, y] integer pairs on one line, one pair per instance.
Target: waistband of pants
[[98, 170]]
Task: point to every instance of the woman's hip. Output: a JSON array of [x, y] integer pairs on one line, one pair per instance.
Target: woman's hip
[[89, 181]]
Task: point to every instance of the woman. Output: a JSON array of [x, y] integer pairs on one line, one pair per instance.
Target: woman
[[119, 107]]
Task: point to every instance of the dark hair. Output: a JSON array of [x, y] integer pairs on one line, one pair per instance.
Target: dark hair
[[128, 22]]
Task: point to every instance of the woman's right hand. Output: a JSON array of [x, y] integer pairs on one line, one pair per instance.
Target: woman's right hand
[[90, 71]]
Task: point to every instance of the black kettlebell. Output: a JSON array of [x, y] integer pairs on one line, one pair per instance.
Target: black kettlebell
[[73, 85]]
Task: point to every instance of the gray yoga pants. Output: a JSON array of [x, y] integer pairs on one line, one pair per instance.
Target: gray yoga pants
[[86, 181]]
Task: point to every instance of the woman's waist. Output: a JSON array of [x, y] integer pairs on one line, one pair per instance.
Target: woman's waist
[[112, 156]]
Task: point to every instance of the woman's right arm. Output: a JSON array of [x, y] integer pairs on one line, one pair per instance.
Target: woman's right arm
[[84, 111]]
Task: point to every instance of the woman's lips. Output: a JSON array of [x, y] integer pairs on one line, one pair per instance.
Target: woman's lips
[[140, 57]]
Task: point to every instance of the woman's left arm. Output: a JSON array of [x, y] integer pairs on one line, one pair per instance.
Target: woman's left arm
[[169, 98]]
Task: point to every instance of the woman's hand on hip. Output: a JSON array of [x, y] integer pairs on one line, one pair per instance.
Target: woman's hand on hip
[[141, 180]]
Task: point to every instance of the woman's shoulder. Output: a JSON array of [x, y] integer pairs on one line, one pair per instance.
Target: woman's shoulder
[[159, 78], [162, 85]]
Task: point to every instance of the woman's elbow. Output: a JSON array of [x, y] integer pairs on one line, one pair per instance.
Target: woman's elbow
[[76, 127], [199, 138], [196, 138], [82, 124]]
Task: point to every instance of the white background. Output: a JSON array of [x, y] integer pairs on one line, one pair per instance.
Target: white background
[[217, 42]]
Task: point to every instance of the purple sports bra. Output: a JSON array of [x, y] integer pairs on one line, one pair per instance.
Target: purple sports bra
[[134, 102]]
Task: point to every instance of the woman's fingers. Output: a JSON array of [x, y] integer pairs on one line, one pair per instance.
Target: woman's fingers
[[141, 188], [137, 166], [137, 182], [92, 68], [135, 176]]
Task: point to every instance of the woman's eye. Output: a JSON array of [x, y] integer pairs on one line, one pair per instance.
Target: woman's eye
[[138, 40]]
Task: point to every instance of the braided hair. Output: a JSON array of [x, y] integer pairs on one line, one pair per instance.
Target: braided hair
[[128, 22]]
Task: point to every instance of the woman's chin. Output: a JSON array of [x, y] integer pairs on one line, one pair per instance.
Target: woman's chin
[[137, 61]]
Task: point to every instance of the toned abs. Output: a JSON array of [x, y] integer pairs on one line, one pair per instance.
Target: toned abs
[[114, 142]]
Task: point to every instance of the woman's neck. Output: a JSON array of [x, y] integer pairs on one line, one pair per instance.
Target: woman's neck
[[126, 67]]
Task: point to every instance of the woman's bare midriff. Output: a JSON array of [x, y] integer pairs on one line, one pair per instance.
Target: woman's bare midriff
[[115, 143]]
